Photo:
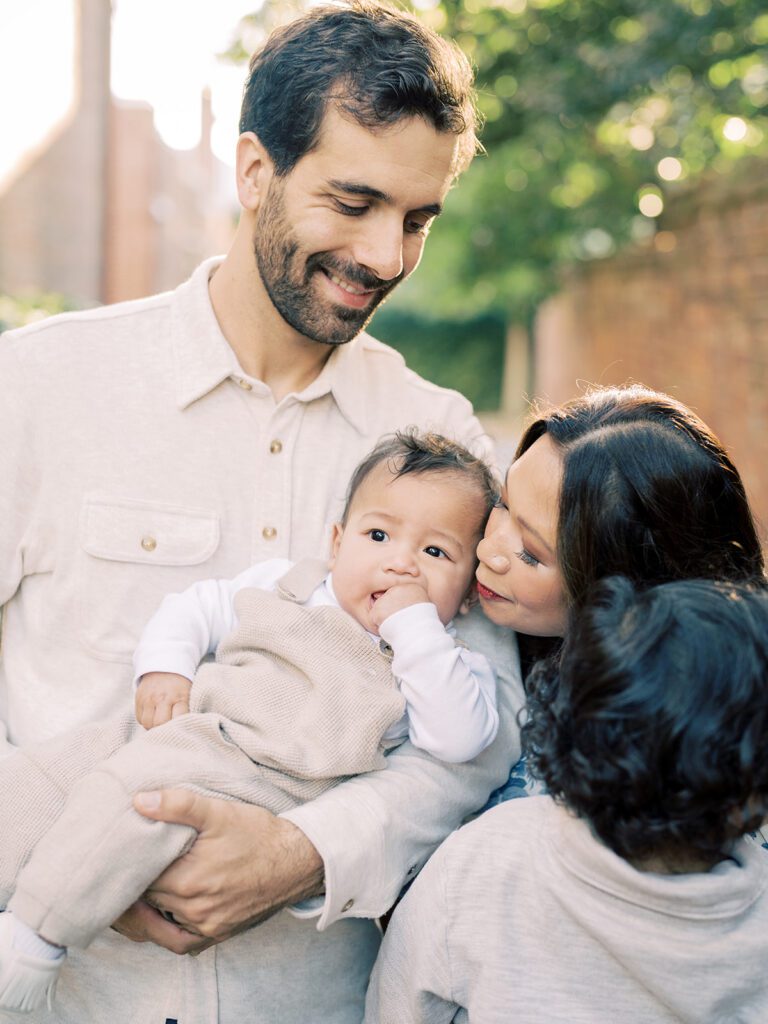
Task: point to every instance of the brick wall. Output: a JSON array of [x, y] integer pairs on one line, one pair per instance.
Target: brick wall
[[688, 314]]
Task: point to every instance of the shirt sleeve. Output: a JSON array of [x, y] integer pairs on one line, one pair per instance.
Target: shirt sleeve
[[375, 831], [450, 692], [21, 483], [190, 625], [411, 980]]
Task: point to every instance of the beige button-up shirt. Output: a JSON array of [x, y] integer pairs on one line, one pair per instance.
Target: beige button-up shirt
[[135, 458]]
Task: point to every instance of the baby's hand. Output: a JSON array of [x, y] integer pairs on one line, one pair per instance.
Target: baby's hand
[[161, 696], [401, 595]]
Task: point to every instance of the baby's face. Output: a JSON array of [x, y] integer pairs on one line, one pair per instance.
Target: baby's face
[[421, 528]]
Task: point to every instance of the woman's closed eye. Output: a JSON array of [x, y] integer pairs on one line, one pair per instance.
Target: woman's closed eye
[[525, 556]]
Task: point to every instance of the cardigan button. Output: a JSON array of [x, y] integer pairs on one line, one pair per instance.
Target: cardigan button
[[244, 384], [148, 543], [276, 447], [347, 906], [269, 533]]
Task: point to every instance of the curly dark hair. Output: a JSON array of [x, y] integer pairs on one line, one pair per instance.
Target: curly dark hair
[[377, 63], [653, 723], [409, 451]]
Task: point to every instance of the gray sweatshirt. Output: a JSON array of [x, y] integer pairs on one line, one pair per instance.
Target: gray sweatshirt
[[523, 916]]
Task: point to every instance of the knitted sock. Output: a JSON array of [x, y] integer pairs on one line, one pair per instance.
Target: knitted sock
[[26, 940]]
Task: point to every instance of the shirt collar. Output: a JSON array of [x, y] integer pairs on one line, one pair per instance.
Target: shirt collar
[[202, 354], [204, 358]]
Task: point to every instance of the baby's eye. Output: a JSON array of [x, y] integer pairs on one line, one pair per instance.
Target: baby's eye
[[435, 552], [378, 535], [528, 558]]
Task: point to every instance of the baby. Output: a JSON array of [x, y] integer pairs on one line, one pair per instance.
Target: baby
[[631, 893], [319, 669]]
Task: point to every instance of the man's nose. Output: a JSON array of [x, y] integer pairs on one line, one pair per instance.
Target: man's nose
[[380, 249]]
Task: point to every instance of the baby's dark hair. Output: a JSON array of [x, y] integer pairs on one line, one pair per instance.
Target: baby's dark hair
[[408, 451], [653, 724]]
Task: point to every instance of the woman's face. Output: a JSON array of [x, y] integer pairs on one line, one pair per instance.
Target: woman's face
[[518, 579]]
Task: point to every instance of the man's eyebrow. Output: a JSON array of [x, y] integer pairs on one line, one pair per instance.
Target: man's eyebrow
[[536, 534], [355, 188]]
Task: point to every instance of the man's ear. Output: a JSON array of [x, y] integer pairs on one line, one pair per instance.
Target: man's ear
[[337, 533], [253, 171]]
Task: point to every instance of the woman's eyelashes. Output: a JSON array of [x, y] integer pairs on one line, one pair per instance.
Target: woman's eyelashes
[[525, 556]]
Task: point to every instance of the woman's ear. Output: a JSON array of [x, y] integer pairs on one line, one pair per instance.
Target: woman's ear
[[253, 171]]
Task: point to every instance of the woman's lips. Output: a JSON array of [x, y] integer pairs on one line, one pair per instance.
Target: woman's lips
[[488, 594]]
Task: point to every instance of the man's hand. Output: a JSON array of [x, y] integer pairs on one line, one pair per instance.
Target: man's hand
[[161, 696], [245, 865], [142, 923], [401, 595]]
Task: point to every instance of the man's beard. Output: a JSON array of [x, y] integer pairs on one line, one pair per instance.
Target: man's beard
[[288, 279]]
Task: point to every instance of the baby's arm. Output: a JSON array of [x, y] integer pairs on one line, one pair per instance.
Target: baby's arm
[[450, 692], [185, 628]]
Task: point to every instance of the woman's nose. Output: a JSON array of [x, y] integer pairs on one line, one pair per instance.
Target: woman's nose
[[489, 554]]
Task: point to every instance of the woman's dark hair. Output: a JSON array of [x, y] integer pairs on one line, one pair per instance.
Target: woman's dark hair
[[377, 63], [408, 451], [648, 492], [653, 726]]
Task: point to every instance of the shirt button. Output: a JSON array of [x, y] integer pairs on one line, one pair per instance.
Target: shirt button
[[347, 906], [148, 543], [276, 447], [269, 532], [244, 384]]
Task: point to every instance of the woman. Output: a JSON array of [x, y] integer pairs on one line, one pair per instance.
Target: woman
[[622, 481]]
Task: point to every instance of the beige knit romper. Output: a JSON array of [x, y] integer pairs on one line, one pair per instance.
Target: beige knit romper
[[297, 699]]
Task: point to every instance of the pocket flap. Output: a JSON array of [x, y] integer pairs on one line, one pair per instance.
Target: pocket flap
[[147, 532]]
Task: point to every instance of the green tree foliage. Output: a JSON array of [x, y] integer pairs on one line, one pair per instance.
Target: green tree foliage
[[594, 109], [20, 310]]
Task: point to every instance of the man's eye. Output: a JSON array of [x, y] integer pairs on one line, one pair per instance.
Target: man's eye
[[349, 211], [435, 552], [417, 227], [378, 535]]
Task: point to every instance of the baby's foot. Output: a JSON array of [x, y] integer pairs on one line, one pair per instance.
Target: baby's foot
[[29, 966]]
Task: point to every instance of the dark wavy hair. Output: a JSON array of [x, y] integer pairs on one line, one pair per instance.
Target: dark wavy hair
[[377, 63], [648, 492], [653, 726], [408, 451]]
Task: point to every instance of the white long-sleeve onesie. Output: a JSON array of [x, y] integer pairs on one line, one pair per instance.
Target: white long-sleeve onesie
[[450, 692]]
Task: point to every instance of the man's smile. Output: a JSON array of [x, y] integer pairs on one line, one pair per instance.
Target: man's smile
[[355, 295]]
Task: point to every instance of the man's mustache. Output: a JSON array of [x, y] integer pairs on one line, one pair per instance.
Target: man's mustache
[[351, 272]]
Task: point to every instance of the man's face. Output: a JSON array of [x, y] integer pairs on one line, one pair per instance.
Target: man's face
[[348, 223]]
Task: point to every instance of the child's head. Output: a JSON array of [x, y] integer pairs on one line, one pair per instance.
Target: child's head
[[620, 481], [653, 726], [415, 511]]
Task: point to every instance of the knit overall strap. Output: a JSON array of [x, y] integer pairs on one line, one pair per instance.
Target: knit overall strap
[[302, 579]]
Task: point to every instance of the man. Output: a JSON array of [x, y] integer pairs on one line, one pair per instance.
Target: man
[[153, 443]]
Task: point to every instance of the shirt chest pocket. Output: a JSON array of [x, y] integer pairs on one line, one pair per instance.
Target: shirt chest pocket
[[131, 554]]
